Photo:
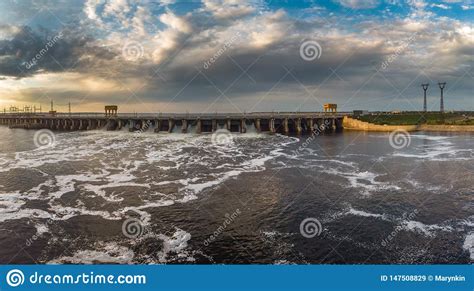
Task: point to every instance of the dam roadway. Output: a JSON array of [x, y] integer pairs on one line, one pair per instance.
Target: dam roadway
[[273, 122]]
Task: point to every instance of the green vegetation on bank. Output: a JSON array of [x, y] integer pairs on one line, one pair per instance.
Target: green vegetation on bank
[[414, 118]]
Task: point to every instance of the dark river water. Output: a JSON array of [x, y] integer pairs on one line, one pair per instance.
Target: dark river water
[[146, 198]]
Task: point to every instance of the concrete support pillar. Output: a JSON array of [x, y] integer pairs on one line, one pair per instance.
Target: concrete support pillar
[[243, 126], [299, 129], [198, 126], [89, 124], [328, 124], [318, 124], [228, 124], [257, 125], [272, 125], [214, 125], [184, 126], [170, 125], [311, 125], [286, 129], [131, 125], [119, 124], [157, 125]]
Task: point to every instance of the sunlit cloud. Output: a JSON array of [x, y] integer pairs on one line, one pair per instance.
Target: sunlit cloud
[[231, 54]]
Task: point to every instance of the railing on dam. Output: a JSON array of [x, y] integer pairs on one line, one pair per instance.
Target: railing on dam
[[179, 115]]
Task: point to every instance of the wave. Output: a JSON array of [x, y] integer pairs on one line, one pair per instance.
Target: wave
[[365, 214], [187, 165], [363, 180], [424, 229], [108, 253], [468, 245]]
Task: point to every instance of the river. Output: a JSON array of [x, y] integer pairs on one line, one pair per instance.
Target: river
[[147, 198]]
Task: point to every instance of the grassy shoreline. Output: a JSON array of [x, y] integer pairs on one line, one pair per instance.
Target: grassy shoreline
[[419, 118], [402, 123]]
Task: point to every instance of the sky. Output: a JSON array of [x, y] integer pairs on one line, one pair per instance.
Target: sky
[[236, 56]]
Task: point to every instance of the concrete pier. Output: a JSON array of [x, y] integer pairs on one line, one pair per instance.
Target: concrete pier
[[283, 123]]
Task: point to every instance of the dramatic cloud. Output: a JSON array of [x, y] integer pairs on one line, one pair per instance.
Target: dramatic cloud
[[234, 55], [31, 52]]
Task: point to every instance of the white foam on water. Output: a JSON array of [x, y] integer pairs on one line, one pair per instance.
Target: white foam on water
[[436, 154], [185, 153], [41, 229], [145, 217], [430, 137], [14, 213], [251, 129], [469, 245], [65, 213], [283, 262], [349, 164], [109, 253], [438, 148], [468, 222], [365, 214], [176, 244], [66, 183], [365, 180], [274, 233], [424, 229], [11, 208], [422, 186]]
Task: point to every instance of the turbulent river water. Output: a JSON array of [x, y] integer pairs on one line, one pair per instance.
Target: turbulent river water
[[144, 198]]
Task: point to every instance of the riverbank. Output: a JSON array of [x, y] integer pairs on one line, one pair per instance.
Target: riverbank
[[355, 124]]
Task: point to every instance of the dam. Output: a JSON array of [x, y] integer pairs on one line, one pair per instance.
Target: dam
[[272, 122]]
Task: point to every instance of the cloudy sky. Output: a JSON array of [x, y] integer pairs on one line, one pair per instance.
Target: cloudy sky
[[236, 56]]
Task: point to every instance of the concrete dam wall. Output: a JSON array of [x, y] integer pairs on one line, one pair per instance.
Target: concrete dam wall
[[285, 123]]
